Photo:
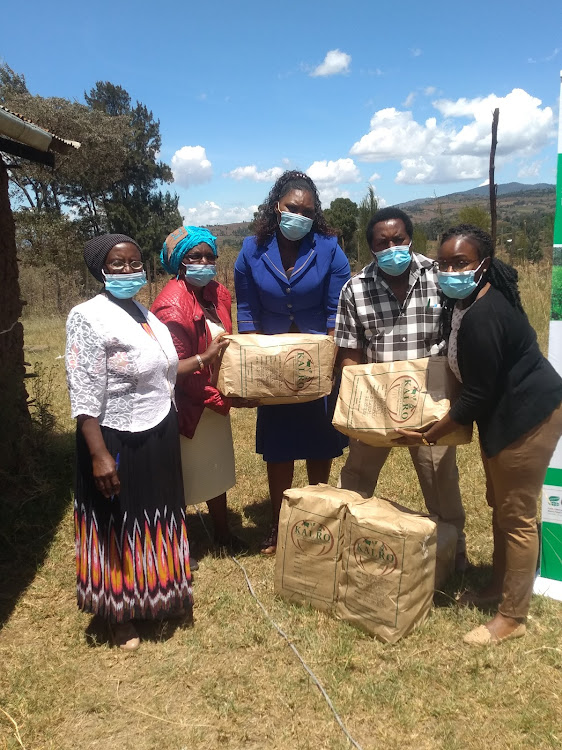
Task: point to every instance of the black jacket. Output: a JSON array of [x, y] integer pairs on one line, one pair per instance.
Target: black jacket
[[508, 386]]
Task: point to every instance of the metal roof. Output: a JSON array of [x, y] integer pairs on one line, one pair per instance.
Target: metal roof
[[21, 129]]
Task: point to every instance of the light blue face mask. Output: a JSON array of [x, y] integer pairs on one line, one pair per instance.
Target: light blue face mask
[[458, 284], [394, 261], [199, 274], [294, 226], [124, 285]]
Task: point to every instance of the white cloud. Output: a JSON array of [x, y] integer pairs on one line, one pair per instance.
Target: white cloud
[[523, 126], [331, 192], [437, 152], [527, 171], [338, 172], [251, 173], [210, 212], [190, 166], [329, 175], [429, 90], [416, 52], [393, 135], [374, 177], [335, 62], [409, 100]]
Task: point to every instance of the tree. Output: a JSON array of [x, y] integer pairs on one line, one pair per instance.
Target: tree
[[11, 83], [342, 216], [419, 241], [134, 205], [366, 209], [81, 178], [475, 215]]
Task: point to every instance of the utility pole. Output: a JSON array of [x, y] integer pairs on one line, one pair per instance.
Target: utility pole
[[492, 181]]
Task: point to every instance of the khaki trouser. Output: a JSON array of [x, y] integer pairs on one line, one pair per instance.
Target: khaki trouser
[[437, 472], [514, 479]]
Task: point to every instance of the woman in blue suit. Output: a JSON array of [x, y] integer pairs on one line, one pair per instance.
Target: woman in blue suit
[[288, 278]]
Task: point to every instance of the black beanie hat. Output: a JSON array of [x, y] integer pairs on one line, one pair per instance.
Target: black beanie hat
[[97, 249]]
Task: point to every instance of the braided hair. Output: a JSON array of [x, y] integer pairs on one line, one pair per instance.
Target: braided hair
[[266, 222], [500, 275]]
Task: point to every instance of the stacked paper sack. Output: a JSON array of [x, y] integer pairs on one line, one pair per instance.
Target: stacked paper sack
[[369, 561]]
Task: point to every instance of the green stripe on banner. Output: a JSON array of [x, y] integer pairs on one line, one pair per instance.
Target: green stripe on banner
[[553, 477], [551, 551], [558, 212]]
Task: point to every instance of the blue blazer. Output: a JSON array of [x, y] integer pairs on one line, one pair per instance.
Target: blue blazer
[[270, 302]]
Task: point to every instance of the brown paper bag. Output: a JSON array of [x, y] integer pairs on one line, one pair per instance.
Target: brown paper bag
[[375, 399], [308, 560], [280, 369], [388, 569], [370, 561]]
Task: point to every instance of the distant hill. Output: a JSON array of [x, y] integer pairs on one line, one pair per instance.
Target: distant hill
[[515, 201]]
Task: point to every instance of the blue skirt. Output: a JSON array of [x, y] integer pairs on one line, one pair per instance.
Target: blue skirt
[[289, 432]]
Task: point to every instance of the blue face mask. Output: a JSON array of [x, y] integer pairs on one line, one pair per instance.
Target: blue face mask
[[394, 261], [198, 274], [294, 226], [124, 285], [458, 284]]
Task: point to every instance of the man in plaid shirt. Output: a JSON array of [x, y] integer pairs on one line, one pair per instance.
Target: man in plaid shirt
[[390, 311]]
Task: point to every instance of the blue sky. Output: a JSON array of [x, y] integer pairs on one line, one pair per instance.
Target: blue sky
[[397, 94]]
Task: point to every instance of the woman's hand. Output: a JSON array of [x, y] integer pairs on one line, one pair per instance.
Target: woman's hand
[[104, 468], [215, 349], [105, 474], [408, 437], [237, 402]]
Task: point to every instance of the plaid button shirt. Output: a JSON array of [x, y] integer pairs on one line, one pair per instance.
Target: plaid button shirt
[[371, 318]]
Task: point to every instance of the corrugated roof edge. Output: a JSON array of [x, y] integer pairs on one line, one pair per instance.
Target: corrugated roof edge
[[58, 144]]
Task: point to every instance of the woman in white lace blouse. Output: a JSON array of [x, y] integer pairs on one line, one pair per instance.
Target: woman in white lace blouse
[[132, 552]]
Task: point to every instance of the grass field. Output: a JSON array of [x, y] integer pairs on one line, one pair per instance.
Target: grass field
[[230, 680]]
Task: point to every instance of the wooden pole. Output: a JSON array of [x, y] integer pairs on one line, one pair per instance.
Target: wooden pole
[[493, 186], [14, 413]]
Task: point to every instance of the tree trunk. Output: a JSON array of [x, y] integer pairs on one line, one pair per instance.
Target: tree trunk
[[14, 414]]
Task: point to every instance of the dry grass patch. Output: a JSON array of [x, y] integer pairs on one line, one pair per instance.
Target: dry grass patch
[[231, 680]]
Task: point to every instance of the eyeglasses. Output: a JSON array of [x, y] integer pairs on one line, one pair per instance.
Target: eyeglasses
[[454, 265], [120, 265], [198, 257]]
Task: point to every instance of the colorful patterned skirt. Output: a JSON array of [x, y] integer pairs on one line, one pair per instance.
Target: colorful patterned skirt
[[132, 553]]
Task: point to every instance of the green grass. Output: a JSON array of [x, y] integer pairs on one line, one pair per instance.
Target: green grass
[[230, 680]]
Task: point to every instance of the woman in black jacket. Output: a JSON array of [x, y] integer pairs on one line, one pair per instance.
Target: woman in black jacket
[[514, 395]]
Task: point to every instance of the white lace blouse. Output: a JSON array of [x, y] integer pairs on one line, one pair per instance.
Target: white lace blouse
[[115, 369]]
